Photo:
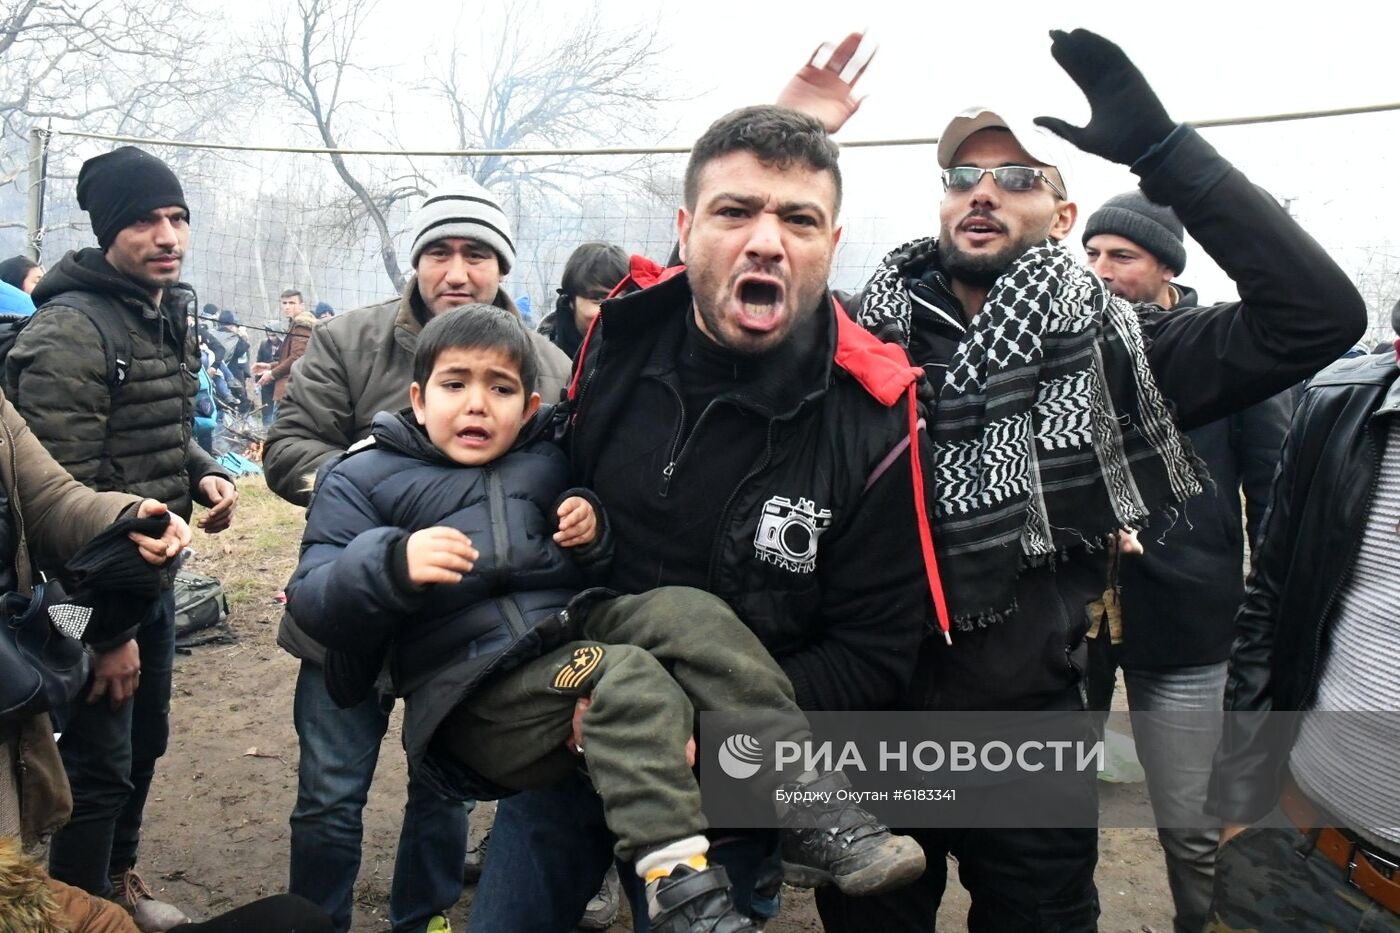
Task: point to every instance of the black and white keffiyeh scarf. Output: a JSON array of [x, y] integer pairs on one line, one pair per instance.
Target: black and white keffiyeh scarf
[[1049, 431]]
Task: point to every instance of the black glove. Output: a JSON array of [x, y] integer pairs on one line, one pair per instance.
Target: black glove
[[1126, 119]]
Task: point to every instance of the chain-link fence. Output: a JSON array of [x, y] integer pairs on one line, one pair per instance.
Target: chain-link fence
[[264, 220]]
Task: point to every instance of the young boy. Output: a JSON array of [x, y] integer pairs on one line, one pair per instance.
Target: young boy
[[442, 544]]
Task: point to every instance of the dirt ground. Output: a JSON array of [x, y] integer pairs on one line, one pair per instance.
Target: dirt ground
[[216, 824]]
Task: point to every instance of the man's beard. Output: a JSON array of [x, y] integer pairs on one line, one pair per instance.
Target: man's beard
[[981, 270]]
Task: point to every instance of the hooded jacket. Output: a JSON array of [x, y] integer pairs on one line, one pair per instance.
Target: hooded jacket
[[351, 591], [139, 437], [356, 365], [30, 900], [817, 547], [1298, 312], [560, 328]]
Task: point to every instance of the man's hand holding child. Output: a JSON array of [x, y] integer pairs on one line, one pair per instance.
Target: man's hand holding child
[[578, 523], [439, 555]]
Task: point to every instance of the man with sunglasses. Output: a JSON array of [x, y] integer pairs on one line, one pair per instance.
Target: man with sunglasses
[[1056, 413]]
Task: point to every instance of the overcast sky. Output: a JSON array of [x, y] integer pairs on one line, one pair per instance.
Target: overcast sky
[[1205, 59]]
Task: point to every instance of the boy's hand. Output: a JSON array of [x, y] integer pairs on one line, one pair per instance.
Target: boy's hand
[[439, 555], [578, 523]]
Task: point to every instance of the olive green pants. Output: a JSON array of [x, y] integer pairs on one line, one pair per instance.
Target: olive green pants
[[649, 662]]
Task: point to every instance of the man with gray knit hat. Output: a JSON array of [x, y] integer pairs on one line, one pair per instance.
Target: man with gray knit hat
[[357, 364], [104, 376], [1170, 621], [1136, 247]]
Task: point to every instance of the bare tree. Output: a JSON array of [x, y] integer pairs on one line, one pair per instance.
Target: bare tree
[[585, 87], [1376, 272], [307, 61], [105, 66], [591, 86]]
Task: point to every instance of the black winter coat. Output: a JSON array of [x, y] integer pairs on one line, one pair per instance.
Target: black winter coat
[[138, 438], [1298, 313], [1180, 595], [1308, 545], [817, 543], [351, 592]]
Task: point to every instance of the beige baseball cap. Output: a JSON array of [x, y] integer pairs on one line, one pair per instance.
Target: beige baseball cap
[[1041, 144]]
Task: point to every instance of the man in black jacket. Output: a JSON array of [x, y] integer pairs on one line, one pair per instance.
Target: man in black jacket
[[748, 439], [1317, 633], [120, 418], [1059, 418], [1170, 621]]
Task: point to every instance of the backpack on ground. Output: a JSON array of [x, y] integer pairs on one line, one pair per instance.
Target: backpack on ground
[[200, 604]]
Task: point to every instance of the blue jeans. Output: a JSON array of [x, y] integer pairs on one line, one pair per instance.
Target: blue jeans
[[339, 750], [110, 756], [550, 849]]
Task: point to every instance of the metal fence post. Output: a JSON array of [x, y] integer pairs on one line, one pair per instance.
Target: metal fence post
[[34, 213]]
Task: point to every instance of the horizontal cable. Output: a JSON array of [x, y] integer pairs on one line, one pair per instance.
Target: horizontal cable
[[663, 150]]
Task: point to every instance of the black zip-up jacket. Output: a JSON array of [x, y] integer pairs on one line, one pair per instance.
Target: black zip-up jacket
[[139, 437], [817, 544], [1298, 313], [1311, 536]]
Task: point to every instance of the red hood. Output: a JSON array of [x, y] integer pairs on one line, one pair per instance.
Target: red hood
[[881, 368], [643, 273]]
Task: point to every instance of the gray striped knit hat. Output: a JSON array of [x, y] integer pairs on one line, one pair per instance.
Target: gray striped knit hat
[[461, 207]]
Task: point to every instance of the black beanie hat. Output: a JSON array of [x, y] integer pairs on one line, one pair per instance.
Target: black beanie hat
[[1152, 226], [119, 187]]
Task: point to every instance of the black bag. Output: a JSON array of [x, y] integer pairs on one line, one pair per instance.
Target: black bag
[[41, 668]]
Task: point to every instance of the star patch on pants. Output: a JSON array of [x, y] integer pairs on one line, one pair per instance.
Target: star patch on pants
[[577, 670]]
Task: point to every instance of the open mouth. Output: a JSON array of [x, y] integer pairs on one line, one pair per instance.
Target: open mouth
[[759, 297], [474, 435], [981, 226]]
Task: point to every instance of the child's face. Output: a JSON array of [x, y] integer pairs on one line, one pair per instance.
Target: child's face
[[473, 406]]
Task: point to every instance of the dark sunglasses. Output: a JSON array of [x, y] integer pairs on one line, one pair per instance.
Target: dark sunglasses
[[1007, 178]]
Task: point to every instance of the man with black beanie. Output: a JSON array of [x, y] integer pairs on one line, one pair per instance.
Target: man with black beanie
[[105, 376], [1169, 622]]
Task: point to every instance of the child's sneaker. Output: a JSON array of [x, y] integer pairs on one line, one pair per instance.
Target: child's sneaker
[[690, 899], [149, 914], [438, 924], [839, 843]]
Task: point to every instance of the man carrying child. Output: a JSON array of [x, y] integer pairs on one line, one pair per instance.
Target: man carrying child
[[482, 630]]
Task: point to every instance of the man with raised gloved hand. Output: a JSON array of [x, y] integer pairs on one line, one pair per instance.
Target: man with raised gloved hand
[[1058, 418]]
